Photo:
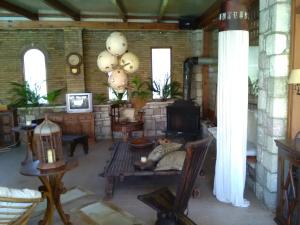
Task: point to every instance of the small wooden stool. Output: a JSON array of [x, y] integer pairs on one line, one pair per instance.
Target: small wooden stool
[[74, 139]]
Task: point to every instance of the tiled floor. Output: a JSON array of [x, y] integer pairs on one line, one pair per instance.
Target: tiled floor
[[204, 210]]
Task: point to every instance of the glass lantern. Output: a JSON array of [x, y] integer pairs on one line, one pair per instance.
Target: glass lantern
[[47, 136]]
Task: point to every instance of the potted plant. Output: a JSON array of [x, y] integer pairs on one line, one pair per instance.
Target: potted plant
[[167, 90], [139, 92]]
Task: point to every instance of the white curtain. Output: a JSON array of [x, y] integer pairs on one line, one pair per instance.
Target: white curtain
[[232, 108]]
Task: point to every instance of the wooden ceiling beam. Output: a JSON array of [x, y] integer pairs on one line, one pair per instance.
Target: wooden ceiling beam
[[298, 10], [162, 9], [19, 10], [87, 25], [210, 14], [63, 8], [121, 9]]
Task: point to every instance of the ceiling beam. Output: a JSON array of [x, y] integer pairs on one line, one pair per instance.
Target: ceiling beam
[[63, 8], [121, 9], [210, 14], [298, 10], [87, 25], [19, 10], [162, 9]]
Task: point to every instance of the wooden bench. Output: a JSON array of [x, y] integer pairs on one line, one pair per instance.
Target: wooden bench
[[74, 139]]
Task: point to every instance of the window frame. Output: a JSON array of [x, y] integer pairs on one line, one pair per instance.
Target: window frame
[[171, 62], [44, 52]]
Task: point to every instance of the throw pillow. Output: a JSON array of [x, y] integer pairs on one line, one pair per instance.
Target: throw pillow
[[172, 161], [127, 114], [161, 150]]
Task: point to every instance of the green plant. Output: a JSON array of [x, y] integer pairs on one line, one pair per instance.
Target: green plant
[[139, 88], [100, 98], [23, 96], [52, 96], [253, 87], [169, 89]]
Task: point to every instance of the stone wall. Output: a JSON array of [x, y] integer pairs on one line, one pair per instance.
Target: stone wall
[[274, 49], [155, 118]]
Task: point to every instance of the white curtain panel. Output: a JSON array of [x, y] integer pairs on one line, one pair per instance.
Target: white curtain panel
[[232, 108]]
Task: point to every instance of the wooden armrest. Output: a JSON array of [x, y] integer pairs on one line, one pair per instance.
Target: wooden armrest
[[160, 200]]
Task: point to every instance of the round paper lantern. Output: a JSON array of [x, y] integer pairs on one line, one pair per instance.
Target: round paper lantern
[[116, 43], [118, 80], [107, 62], [129, 62]]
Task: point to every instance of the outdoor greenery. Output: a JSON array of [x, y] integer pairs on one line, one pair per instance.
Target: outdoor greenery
[[24, 96], [253, 87]]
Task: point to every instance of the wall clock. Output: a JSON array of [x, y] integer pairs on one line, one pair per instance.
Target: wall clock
[[74, 60]]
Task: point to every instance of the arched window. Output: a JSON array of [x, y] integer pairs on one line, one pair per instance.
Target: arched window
[[35, 71]]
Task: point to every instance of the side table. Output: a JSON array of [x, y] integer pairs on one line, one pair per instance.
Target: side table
[[52, 188], [288, 181]]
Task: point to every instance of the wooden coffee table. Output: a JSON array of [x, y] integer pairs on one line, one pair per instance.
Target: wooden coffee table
[[121, 165]]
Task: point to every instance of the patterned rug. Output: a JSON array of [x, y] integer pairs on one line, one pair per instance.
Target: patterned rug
[[85, 209], [104, 213]]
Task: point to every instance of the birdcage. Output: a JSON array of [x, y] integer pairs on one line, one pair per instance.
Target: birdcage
[[47, 137]]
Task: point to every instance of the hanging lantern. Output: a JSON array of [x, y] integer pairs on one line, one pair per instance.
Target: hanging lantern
[[118, 80], [129, 62], [116, 43], [107, 62], [47, 136]]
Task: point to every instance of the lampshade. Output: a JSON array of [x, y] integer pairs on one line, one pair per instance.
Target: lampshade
[[118, 80], [116, 43], [294, 77], [107, 62], [129, 62]]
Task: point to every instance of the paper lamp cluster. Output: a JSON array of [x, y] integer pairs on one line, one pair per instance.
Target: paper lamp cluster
[[117, 62]]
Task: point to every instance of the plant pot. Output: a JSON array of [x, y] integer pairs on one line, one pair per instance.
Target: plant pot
[[138, 103]]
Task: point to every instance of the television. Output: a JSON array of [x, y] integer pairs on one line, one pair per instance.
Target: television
[[79, 102]]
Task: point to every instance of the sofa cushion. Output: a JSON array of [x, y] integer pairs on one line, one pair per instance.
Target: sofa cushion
[[172, 161], [127, 114], [161, 150]]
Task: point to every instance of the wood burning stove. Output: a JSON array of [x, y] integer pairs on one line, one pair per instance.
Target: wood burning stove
[[183, 117]]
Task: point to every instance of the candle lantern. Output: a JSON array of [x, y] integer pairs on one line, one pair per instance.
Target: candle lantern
[[47, 136]]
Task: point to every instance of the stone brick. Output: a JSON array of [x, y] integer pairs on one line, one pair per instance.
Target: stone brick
[[276, 127], [276, 44], [263, 60], [259, 153], [271, 184], [277, 108], [263, 4], [269, 161], [269, 199], [259, 191], [264, 21], [271, 145], [280, 14], [277, 87], [262, 100], [279, 65]]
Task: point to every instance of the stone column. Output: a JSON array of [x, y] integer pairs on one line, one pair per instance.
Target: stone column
[[73, 43], [274, 38]]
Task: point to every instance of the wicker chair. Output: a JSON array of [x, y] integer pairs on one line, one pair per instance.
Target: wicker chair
[[16, 206]]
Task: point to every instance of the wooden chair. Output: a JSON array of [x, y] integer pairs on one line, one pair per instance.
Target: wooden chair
[[15, 207], [121, 123], [171, 208]]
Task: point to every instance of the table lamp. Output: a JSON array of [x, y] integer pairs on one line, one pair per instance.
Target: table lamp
[[294, 79]]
